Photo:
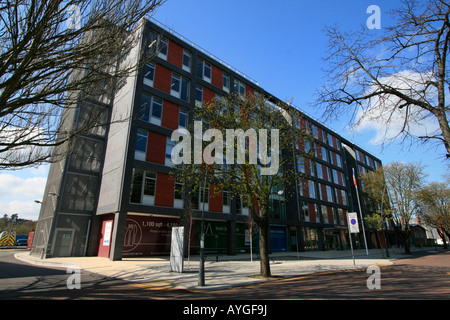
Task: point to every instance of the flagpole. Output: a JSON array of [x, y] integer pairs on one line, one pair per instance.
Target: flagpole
[[360, 211]]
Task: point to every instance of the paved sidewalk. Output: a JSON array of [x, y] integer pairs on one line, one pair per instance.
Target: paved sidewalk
[[227, 272]]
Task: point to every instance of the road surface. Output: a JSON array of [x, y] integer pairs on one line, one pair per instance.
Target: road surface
[[425, 275]]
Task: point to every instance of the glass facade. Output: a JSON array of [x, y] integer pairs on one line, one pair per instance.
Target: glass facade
[[310, 239]]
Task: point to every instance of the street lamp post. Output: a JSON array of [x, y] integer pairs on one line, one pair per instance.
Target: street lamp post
[[383, 223], [201, 270], [360, 211]]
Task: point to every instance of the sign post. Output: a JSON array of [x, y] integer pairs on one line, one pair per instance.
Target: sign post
[[352, 223], [176, 250]]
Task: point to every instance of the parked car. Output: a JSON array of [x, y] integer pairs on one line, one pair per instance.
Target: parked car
[[21, 242]]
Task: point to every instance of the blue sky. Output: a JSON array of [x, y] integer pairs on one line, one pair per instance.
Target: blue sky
[[280, 44]]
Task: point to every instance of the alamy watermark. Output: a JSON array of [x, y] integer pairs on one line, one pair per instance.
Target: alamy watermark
[[374, 21], [213, 153], [74, 280], [74, 20], [374, 280]]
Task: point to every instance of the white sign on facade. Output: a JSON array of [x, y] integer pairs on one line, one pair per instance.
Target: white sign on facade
[[352, 221], [107, 236], [176, 250]]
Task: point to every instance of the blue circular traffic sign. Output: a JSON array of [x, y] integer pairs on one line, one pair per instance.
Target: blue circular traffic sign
[[353, 221]]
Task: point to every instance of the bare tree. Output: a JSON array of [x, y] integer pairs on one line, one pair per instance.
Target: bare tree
[[396, 77], [243, 170], [54, 54], [434, 199], [395, 186]]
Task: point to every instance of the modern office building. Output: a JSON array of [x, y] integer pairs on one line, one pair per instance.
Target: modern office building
[[114, 197]]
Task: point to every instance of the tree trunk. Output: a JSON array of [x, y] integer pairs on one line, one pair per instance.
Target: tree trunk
[[404, 238], [264, 243], [445, 128], [407, 250], [381, 246], [448, 234], [407, 238], [442, 235]]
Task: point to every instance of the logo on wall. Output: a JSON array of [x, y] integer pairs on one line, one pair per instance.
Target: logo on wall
[[133, 235]]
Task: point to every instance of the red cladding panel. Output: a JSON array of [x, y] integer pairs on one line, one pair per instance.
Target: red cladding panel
[[170, 115], [335, 142], [324, 191], [208, 96], [164, 190], [249, 90], [339, 197], [217, 77], [301, 143], [312, 212], [340, 180], [319, 132], [215, 199], [303, 124], [175, 55], [325, 172], [304, 187], [308, 168], [333, 157], [330, 215], [163, 79], [318, 150], [156, 148], [256, 206]]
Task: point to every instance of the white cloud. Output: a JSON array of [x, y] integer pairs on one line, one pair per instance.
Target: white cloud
[[26, 209], [12, 187], [383, 115], [19, 189]]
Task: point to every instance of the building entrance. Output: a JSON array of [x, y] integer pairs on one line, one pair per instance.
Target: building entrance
[[63, 242], [332, 241]]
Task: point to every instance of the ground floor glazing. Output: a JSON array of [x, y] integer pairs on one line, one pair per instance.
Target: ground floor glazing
[[147, 235]]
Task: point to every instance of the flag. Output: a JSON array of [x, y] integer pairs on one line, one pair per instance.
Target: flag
[[354, 178]]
